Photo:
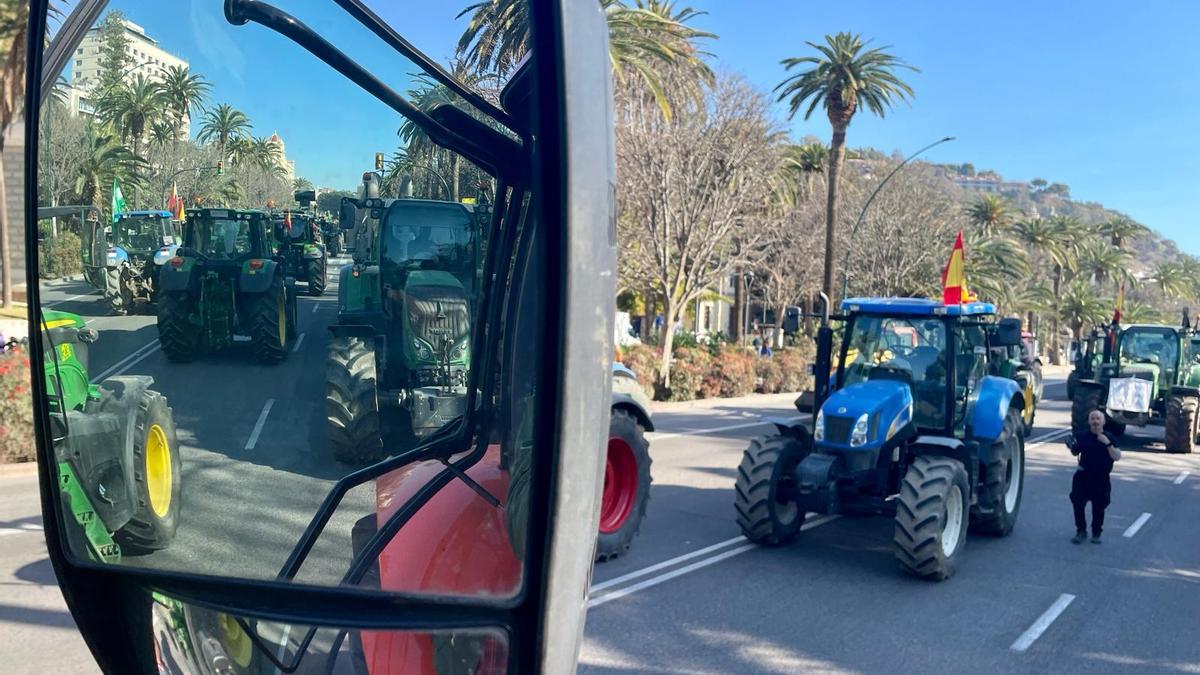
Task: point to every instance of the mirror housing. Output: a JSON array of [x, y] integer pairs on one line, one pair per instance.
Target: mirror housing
[[1008, 333], [305, 197], [347, 214]]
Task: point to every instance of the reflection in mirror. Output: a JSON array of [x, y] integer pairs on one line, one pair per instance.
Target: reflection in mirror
[[193, 640], [264, 362]]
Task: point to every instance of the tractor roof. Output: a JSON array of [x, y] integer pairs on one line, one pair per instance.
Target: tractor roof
[[915, 307], [131, 214]]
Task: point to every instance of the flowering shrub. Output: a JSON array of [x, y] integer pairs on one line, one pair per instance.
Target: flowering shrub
[[770, 375], [732, 373], [793, 369], [688, 370], [643, 360], [16, 409]]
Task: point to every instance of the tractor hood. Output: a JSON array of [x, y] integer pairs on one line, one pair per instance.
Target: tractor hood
[[886, 404], [436, 308]]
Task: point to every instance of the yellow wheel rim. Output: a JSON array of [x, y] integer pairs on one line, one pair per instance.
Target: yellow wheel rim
[[234, 639], [283, 321], [158, 470]]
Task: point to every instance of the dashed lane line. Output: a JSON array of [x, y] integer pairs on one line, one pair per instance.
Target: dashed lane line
[[20, 529], [1137, 525], [129, 361], [1182, 477], [299, 341], [258, 426], [1035, 631]]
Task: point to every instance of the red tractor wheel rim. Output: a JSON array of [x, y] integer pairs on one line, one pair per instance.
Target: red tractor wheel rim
[[620, 486]]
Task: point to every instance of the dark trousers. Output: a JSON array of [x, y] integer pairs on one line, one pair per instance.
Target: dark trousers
[[1087, 487]]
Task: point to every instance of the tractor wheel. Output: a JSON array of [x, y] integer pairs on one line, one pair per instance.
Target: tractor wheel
[[765, 511], [1086, 400], [269, 324], [1180, 424], [178, 336], [1072, 381], [626, 486], [1003, 482], [351, 403], [316, 278], [932, 514], [158, 474], [115, 292]]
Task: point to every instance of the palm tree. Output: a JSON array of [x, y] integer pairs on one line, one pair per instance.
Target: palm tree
[[843, 77], [1121, 228], [267, 154], [990, 214], [162, 134], [1103, 261], [1167, 276], [132, 109], [222, 125], [104, 159], [300, 183], [1055, 239], [998, 264], [1080, 305], [182, 91], [642, 39]]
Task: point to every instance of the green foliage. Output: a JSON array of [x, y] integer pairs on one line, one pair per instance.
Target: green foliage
[[16, 409], [844, 76], [691, 366], [60, 256]]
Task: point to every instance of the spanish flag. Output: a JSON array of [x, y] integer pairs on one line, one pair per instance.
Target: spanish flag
[[954, 278], [175, 204]]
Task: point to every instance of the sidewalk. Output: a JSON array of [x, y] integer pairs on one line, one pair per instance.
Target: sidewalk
[[753, 400]]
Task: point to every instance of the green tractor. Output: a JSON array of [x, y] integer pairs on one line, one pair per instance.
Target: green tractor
[[224, 283], [1019, 363], [119, 468], [402, 337], [300, 244], [332, 234], [1146, 374]]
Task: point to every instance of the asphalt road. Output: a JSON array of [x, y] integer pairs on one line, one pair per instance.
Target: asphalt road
[[692, 596]]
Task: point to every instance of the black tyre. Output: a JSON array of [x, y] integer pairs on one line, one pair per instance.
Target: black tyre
[[1086, 399], [115, 292], [932, 514], [1072, 381], [626, 486], [765, 511], [177, 335], [158, 473], [351, 402], [316, 277], [268, 323], [1180, 424], [1003, 482]]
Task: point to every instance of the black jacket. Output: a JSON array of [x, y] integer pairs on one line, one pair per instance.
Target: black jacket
[[1093, 455]]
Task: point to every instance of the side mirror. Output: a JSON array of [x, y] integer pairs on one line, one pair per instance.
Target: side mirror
[[347, 214], [1008, 333]]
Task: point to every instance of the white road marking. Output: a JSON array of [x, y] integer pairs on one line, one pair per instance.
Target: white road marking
[[299, 341], [258, 426], [700, 564], [596, 588], [283, 644], [1182, 477], [20, 529], [129, 361], [657, 436], [1035, 631], [316, 306], [1137, 525], [73, 297], [1046, 437]]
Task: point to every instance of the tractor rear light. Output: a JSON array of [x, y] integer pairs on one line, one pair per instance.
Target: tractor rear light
[[256, 264], [177, 262]]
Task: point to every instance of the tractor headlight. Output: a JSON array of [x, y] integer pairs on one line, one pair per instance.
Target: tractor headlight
[[424, 351], [819, 426], [459, 352], [858, 435]]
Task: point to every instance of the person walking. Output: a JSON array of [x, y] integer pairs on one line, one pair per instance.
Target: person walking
[[1096, 452]]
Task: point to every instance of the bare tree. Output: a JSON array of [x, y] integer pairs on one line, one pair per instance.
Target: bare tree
[[689, 187], [790, 269]]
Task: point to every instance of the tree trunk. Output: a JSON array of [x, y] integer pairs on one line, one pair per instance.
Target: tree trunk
[[454, 168], [1055, 338], [837, 155], [778, 335], [4, 244], [664, 370], [739, 298]]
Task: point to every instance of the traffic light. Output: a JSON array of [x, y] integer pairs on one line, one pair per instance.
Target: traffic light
[[379, 161], [220, 168]]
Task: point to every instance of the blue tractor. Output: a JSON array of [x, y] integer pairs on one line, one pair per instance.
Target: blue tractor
[[908, 424]]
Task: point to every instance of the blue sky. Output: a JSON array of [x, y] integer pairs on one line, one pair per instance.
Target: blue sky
[[1099, 96]]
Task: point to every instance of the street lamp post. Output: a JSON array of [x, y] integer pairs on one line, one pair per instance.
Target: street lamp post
[[857, 223]]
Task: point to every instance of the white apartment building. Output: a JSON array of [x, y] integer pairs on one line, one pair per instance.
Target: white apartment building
[[288, 165], [146, 58]]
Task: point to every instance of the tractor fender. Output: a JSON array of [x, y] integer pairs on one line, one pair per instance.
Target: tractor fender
[[259, 280], [176, 278], [623, 401], [120, 397], [116, 256], [1183, 390], [996, 396], [946, 446], [365, 331]]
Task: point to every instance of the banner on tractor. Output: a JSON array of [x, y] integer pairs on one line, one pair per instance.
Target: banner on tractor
[[954, 277]]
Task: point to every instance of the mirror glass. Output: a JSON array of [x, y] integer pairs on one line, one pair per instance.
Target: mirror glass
[[220, 355]]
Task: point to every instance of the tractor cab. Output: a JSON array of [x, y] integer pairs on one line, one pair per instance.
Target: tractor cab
[[222, 236], [144, 235]]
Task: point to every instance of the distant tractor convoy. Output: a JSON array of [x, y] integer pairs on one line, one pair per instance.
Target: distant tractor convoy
[[911, 425], [1138, 375]]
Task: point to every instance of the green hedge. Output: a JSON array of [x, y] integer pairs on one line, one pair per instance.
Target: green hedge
[[59, 256]]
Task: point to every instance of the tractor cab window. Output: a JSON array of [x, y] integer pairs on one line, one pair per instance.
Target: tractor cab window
[[418, 232], [139, 232], [911, 350], [298, 230], [223, 237], [1154, 352], [970, 367]]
